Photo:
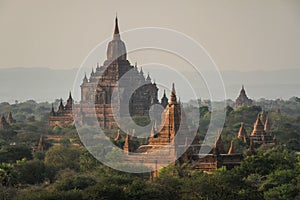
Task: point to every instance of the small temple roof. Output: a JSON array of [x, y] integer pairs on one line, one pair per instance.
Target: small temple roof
[[242, 132], [173, 95], [85, 80], [3, 118], [141, 71], [118, 135], [164, 100], [231, 149], [152, 134], [219, 146], [258, 128], [3, 122], [61, 105], [70, 96], [148, 78], [165, 96], [267, 125], [242, 99], [126, 144], [10, 118]]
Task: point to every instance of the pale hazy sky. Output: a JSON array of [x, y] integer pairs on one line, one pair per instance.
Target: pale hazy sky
[[239, 35]]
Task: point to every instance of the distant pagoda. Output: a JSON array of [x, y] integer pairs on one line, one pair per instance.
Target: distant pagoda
[[242, 99]]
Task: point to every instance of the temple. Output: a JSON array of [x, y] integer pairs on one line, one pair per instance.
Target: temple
[[242, 99], [172, 124], [261, 132], [63, 116], [5, 122], [97, 90], [173, 141]]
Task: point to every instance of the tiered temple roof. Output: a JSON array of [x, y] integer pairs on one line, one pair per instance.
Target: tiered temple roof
[[5, 122], [63, 116], [261, 133], [242, 99]]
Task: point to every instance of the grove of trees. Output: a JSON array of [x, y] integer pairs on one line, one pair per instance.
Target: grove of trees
[[68, 171]]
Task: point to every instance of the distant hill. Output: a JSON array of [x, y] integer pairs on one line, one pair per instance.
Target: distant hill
[[43, 84], [39, 84]]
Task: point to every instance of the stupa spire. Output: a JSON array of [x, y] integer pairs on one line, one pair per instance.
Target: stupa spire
[[242, 132], [231, 149], [173, 95], [126, 147], [116, 30]]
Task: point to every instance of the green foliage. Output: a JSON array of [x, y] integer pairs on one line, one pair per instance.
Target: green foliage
[[39, 155], [12, 153], [74, 183], [66, 171], [87, 161], [141, 121], [28, 172], [282, 192], [62, 157], [48, 195]]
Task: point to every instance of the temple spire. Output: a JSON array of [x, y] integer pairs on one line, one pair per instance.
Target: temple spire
[[258, 128], [10, 119], [116, 31], [173, 95], [164, 100], [70, 95], [231, 149], [219, 146], [85, 80], [242, 132], [267, 125], [69, 102], [61, 106], [126, 147], [148, 79], [118, 135], [152, 134], [141, 72]]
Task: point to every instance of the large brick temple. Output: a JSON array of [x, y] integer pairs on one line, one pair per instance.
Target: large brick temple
[[172, 139], [97, 90]]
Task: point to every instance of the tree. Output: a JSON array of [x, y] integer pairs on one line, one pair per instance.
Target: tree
[[281, 192], [78, 182], [12, 153], [31, 172], [62, 157], [280, 184]]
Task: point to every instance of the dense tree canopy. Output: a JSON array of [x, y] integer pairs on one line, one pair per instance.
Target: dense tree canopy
[[66, 170]]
